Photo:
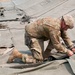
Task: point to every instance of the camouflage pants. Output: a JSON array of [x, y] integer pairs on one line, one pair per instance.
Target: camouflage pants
[[36, 46]]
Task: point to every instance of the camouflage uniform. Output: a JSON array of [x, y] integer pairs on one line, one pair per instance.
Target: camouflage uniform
[[42, 30]]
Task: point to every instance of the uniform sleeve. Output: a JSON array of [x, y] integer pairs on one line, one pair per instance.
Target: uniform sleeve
[[66, 39], [56, 43]]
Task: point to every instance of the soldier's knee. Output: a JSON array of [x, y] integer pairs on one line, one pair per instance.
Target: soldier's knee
[[41, 59], [37, 55]]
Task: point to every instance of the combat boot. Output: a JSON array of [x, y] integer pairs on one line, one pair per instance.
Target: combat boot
[[15, 54]]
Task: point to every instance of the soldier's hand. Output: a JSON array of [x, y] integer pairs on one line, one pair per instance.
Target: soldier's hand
[[73, 49], [69, 53]]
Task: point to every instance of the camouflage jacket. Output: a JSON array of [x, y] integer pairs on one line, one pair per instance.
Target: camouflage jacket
[[50, 29]]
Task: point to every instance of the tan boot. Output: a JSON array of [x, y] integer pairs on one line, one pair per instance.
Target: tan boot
[[13, 55], [28, 58]]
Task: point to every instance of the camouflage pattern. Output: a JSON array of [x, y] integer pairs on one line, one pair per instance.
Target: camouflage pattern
[[46, 29]]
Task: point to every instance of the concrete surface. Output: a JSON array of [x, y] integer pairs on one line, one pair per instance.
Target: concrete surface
[[38, 9]]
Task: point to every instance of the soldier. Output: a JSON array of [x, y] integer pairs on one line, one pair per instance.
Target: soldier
[[46, 29]]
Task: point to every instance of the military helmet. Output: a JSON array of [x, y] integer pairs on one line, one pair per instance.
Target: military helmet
[[69, 21]]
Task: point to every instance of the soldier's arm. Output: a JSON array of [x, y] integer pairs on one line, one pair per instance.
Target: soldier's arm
[[56, 43], [67, 40]]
